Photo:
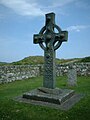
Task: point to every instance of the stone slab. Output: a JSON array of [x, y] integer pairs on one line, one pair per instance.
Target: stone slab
[[64, 106], [57, 96]]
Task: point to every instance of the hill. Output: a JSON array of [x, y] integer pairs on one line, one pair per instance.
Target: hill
[[3, 63], [34, 60], [86, 59], [31, 60]]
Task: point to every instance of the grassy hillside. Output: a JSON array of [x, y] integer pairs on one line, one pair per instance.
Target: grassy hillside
[[34, 60], [86, 59], [3, 63]]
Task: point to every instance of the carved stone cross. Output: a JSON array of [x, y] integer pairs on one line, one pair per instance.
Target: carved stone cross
[[50, 41]]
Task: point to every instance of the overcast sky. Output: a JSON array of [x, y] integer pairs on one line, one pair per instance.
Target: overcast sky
[[20, 19]]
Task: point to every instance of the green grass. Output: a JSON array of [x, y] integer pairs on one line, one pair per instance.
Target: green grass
[[12, 110]]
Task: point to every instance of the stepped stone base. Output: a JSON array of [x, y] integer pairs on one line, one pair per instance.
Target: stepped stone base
[[56, 96]]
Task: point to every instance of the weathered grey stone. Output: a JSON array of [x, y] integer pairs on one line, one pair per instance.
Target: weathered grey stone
[[72, 76], [57, 96], [49, 93], [65, 106], [17, 71], [52, 42]]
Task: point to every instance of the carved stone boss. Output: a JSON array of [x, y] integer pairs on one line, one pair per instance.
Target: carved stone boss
[[50, 41]]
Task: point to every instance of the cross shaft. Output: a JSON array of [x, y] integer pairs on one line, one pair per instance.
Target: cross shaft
[[52, 42]]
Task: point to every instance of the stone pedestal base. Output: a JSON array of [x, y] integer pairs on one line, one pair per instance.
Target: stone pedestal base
[[56, 96]]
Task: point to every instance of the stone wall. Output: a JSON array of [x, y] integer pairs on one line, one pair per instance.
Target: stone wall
[[19, 72], [81, 68]]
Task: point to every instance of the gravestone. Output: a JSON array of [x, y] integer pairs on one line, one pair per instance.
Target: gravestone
[[72, 76], [48, 94]]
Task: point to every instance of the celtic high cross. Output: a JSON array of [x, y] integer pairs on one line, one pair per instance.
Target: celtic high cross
[[50, 41]]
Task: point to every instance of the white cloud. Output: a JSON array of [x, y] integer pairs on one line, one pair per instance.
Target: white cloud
[[24, 7], [60, 3], [57, 6], [34, 7], [78, 3], [77, 28]]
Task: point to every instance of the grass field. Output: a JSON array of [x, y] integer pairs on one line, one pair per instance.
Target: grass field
[[12, 110]]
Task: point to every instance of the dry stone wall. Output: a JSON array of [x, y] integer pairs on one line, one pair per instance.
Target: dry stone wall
[[83, 69], [17, 72], [20, 72]]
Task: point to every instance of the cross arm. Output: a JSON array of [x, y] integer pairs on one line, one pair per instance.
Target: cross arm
[[37, 38], [63, 36]]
